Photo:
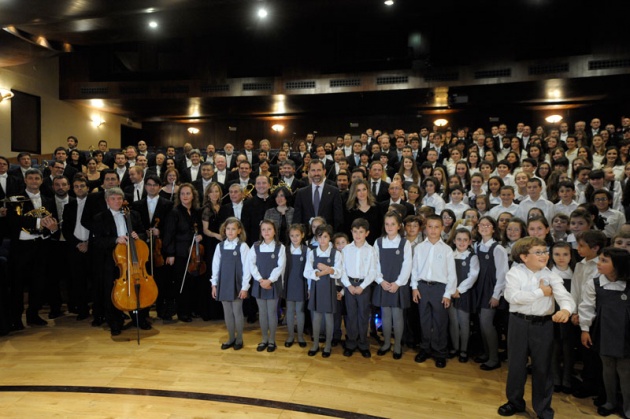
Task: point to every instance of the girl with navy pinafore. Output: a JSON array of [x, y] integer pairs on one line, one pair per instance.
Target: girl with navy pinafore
[[266, 261], [324, 264], [295, 290], [392, 293], [230, 279]]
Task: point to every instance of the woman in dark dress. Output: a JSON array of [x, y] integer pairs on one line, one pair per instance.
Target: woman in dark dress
[[183, 223], [94, 180], [207, 307], [362, 204], [171, 184]]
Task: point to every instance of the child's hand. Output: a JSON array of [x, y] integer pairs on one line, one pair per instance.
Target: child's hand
[[214, 292], [456, 295], [575, 319], [339, 296], [586, 340], [494, 303], [416, 296], [325, 269], [561, 316], [546, 289], [446, 302], [357, 290], [385, 285], [393, 287], [242, 295]]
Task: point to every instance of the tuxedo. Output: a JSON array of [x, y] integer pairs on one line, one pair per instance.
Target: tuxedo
[[95, 203], [162, 210], [124, 179], [130, 193], [186, 174], [224, 187], [253, 158], [17, 173], [382, 193], [254, 209], [230, 160], [150, 157], [330, 206], [14, 186]]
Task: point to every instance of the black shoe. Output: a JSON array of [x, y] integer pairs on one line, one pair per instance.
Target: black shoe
[[54, 314], [145, 325], [271, 347], [252, 319], [599, 401], [397, 355], [302, 344], [602, 411], [238, 346], [185, 319], [440, 362], [261, 347], [36, 321], [4, 332], [452, 354], [98, 321], [421, 357], [566, 389], [382, 351], [227, 345], [509, 409], [335, 343], [365, 353], [313, 352], [583, 393], [116, 331], [463, 357], [82, 316], [288, 344], [557, 388], [348, 352], [325, 354], [481, 359], [486, 367]]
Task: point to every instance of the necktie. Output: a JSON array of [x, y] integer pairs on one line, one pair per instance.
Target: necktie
[[137, 195], [374, 188], [316, 200]]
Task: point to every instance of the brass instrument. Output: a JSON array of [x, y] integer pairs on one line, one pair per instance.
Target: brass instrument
[[247, 192], [280, 184], [40, 212]]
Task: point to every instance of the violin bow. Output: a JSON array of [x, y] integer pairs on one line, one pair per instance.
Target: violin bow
[[181, 289]]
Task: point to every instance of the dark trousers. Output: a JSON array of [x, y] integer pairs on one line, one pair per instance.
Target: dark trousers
[[183, 296], [433, 320], [79, 284], [533, 338], [58, 273], [28, 259], [4, 296], [357, 319]]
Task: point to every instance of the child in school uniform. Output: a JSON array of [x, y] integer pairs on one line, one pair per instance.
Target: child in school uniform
[[413, 233], [393, 267], [340, 240], [230, 279], [315, 222], [295, 290], [433, 281], [605, 323], [323, 265], [266, 262], [564, 337], [531, 289], [467, 266], [487, 293]]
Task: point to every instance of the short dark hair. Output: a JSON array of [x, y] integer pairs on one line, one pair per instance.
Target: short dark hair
[[360, 223], [593, 238]]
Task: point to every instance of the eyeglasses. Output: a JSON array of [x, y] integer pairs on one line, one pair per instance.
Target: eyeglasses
[[601, 199], [540, 253], [484, 225]]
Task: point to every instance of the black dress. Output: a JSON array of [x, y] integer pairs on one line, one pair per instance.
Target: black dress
[[373, 216], [208, 308]]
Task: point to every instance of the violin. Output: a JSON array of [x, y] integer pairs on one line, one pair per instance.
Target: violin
[[135, 289], [196, 265], [156, 246]]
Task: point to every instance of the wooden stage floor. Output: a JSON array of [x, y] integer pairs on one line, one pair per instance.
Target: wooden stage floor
[[69, 369]]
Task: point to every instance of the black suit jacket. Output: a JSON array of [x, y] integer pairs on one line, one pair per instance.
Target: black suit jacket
[[383, 191], [16, 173], [130, 191], [15, 186], [17, 222], [69, 221], [162, 210], [95, 203], [384, 205], [330, 206]]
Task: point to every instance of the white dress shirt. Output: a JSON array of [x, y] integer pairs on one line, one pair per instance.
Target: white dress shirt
[[523, 292], [435, 201], [310, 271], [473, 271], [80, 232], [501, 263], [585, 270], [359, 262], [586, 309], [434, 263], [238, 209]]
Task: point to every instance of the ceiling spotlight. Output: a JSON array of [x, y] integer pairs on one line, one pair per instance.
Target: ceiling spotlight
[[153, 24], [440, 122], [278, 128], [389, 2], [553, 119], [262, 13], [193, 130]]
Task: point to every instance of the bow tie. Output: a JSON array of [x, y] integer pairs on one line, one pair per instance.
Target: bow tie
[[35, 197], [3, 176]]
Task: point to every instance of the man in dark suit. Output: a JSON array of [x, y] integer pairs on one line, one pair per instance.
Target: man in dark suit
[[320, 199], [108, 156], [77, 238], [242, 176], [183, 161], [135, 191], [55, 169], [204, 179], [230, 156], [221, 174], [235, 207], [28, 254], [287, 175], [192, 173], [154, 211], [24, 161], [254, 208], [73, 144], [144, 151], [355, 158], [61, 155], [122, 169], [396, 195], [250, 153], [378, 186], [9, 186], [109, 230]]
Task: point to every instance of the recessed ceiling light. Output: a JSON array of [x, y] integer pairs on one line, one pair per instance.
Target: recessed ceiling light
[[262, 13], [389, 2], [153, 24]]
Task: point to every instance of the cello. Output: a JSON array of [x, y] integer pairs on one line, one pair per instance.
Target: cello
[[135, 289]]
